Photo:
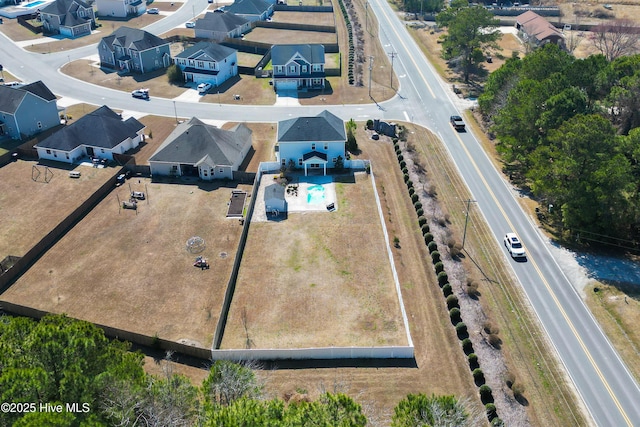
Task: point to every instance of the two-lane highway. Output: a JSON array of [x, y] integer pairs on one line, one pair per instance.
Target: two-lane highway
[[609, 391]]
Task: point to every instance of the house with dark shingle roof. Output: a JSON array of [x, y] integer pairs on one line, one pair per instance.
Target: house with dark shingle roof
[[99, 134], [251, 10], [27, 110], [121, 8], [207, 62], [298, 66], [311, 142], [71, 18], [134, 50], [536, 30], [201, 150], [219, 26]]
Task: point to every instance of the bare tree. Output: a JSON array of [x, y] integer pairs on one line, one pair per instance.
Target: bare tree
[[616, 38]]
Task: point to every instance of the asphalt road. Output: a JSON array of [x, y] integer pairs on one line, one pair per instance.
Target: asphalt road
[[609, 391]]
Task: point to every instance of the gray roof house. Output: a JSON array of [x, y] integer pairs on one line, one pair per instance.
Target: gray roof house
[[298, 66], [71, 18], [311, 142], [251, 10], [207, 62], [133, 50], [27, 110], [201, 150], [120, 8], [99, 134], [219, 26]]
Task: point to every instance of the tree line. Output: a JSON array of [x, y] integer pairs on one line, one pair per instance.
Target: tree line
[[569, 129], [59, 361]]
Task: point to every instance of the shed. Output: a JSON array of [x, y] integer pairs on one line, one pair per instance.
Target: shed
[[274, 198]]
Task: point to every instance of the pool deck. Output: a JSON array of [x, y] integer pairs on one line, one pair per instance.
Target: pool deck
[[13, 11], [296, 201]]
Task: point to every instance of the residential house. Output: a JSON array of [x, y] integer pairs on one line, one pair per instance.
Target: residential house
[[251, 10], [201, 150], [207, 62], [99, 134], [219, 26], [27, 110], [121, 8], [534, 29], [70, 18], [298, 66], [311, 142], [134, 50]]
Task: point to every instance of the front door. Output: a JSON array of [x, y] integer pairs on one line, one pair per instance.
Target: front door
[[90, 151]]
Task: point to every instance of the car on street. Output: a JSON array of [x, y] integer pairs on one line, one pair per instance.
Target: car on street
[[204, 87], [457, 122], [153, 11], [140, 93], [514, 245], [190, 24]]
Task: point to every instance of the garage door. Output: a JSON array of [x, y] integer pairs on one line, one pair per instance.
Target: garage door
[[286, 85]]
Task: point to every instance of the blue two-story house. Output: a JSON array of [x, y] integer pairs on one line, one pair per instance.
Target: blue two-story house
[[298, 66], [133, 50], [27, 110]]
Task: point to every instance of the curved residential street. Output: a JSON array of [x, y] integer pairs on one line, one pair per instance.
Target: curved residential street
[[608, 389]]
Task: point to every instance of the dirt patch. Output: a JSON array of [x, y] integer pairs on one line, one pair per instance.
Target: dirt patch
[[277, 36], [316, 287], [304, 18], [131, 270]]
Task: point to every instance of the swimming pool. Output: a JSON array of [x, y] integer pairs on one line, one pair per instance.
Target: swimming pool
[[33, 4], [315, 195]]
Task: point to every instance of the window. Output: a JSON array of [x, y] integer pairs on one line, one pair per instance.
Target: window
[[48, 151], [283, 162], [39, 125], [292, 69], [326, 146], [102, 150], [200, 64], [55, 154], [221, 170], [174, 168], [313, 146], [299, 162], [304, 68], [205, 173], [333, 160]]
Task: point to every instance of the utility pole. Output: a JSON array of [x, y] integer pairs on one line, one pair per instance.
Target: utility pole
[[175, 111], [392, 55], [370, 71], [466, 221]]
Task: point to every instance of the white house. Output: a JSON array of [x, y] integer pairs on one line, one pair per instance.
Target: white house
[[274, 200], [99, 134], [207, 62], [200, 150], [121, 8], [311, 142]]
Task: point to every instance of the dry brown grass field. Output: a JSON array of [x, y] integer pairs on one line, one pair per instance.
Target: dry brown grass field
[[31, 209], [308, 281], [318, 18], [131, 270], [277, 36]]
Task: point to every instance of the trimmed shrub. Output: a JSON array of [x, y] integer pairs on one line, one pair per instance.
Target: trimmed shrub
[[461, 330], [443, 278], [414, 198], [432, 246], [406, 172], [406, 177], [428, 238], [486, 396], [411, 191], [403, 164], [398, 152], [491, 411], [467, 346], [452, 302], [420, 212], [369, 124], [473, 361], [400, 157], [497, 422], [446, 290], [439, 266], [478, 376], [409, 183], [454, 315], [418, 205], [435, 256], [421, 220], [425, 228]]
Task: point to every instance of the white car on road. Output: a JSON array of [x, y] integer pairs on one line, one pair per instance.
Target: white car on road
[[514, 245]]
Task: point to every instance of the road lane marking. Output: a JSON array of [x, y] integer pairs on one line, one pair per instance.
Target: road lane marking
[[553, 295]]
